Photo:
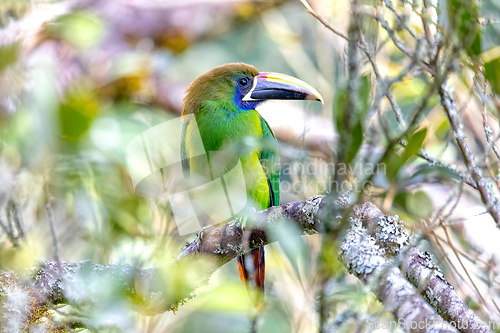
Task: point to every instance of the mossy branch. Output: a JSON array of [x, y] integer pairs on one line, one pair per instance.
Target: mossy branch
[[373, 248]]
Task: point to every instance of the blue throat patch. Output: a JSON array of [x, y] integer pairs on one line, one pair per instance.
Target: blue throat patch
[[244, 105]]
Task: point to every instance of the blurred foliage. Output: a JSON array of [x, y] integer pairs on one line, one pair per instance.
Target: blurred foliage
[[8, 55], [349, 124], [397, 160], [12, 10], [81, 30], [95, 74], [463, 19]]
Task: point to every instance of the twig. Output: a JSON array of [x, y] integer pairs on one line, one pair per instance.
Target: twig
[[457, 129], [466, 178], [450, 243], [428, 35], [444, 257], [389, 5], [386, 87], [50, 217], [369, 55], [18, 219], [13, 226], [488, 133], [328, 26], [402, 47]]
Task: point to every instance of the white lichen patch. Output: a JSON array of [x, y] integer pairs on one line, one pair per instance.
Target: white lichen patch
[[219, 250], [233, 225], [390, 234], [311, 208], [239, 222], [398, 288], [276, 214], [203, 231], [344, 198], [360, 252], [15, 309], [426, 271], [258, 244], [238, 249]]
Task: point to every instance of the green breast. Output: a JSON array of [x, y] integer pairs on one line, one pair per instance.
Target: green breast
[[234, 131]]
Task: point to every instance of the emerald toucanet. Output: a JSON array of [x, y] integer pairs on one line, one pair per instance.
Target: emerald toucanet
[[223, 103]]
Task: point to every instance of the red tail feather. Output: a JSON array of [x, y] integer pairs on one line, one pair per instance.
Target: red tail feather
[[252, 268]]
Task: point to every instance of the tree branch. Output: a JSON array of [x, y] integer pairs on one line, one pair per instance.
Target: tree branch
[[159, 289], [366, 259], [456, 125], [419, 270]]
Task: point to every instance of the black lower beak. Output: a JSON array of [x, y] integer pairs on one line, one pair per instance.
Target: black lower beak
[[280, 86]]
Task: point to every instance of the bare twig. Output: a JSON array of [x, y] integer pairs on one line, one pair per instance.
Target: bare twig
[[50, 218], [402, 47], [453, 248], [488, 132], [449, 108], [428, 35], [389, 5], [328, 26], [386, 86], [17, 217], [369, 54], [434, 161], [13, 226]]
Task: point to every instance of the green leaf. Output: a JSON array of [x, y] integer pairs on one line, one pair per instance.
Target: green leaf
[[433, 173], [364, 95], [356, 141], [394, 162], [475, 48], [463, 19], [400, 199], [81, 29], [77, 113], [414, 144], [8, 55], [339, 107], [492, 74], [442, 129], [419, 204], [294, 247]]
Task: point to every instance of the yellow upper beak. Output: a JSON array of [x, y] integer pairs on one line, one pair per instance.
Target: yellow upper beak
[[280, 86]]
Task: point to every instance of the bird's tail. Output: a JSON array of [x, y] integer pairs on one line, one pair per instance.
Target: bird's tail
[[252, 268]]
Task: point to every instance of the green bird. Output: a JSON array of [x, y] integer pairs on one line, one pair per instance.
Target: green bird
[[223, 102]]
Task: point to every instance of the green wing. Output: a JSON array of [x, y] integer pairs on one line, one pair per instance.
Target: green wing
[[184, 157], [270, 161]]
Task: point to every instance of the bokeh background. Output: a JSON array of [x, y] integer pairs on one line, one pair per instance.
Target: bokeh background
[[80, 79]]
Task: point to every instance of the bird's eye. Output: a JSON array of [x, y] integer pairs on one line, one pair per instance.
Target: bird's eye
[[243, 81]]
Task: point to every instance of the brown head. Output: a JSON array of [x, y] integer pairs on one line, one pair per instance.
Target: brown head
[[242, 87]]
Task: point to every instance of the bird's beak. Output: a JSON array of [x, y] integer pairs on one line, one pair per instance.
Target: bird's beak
[[280, 86]]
